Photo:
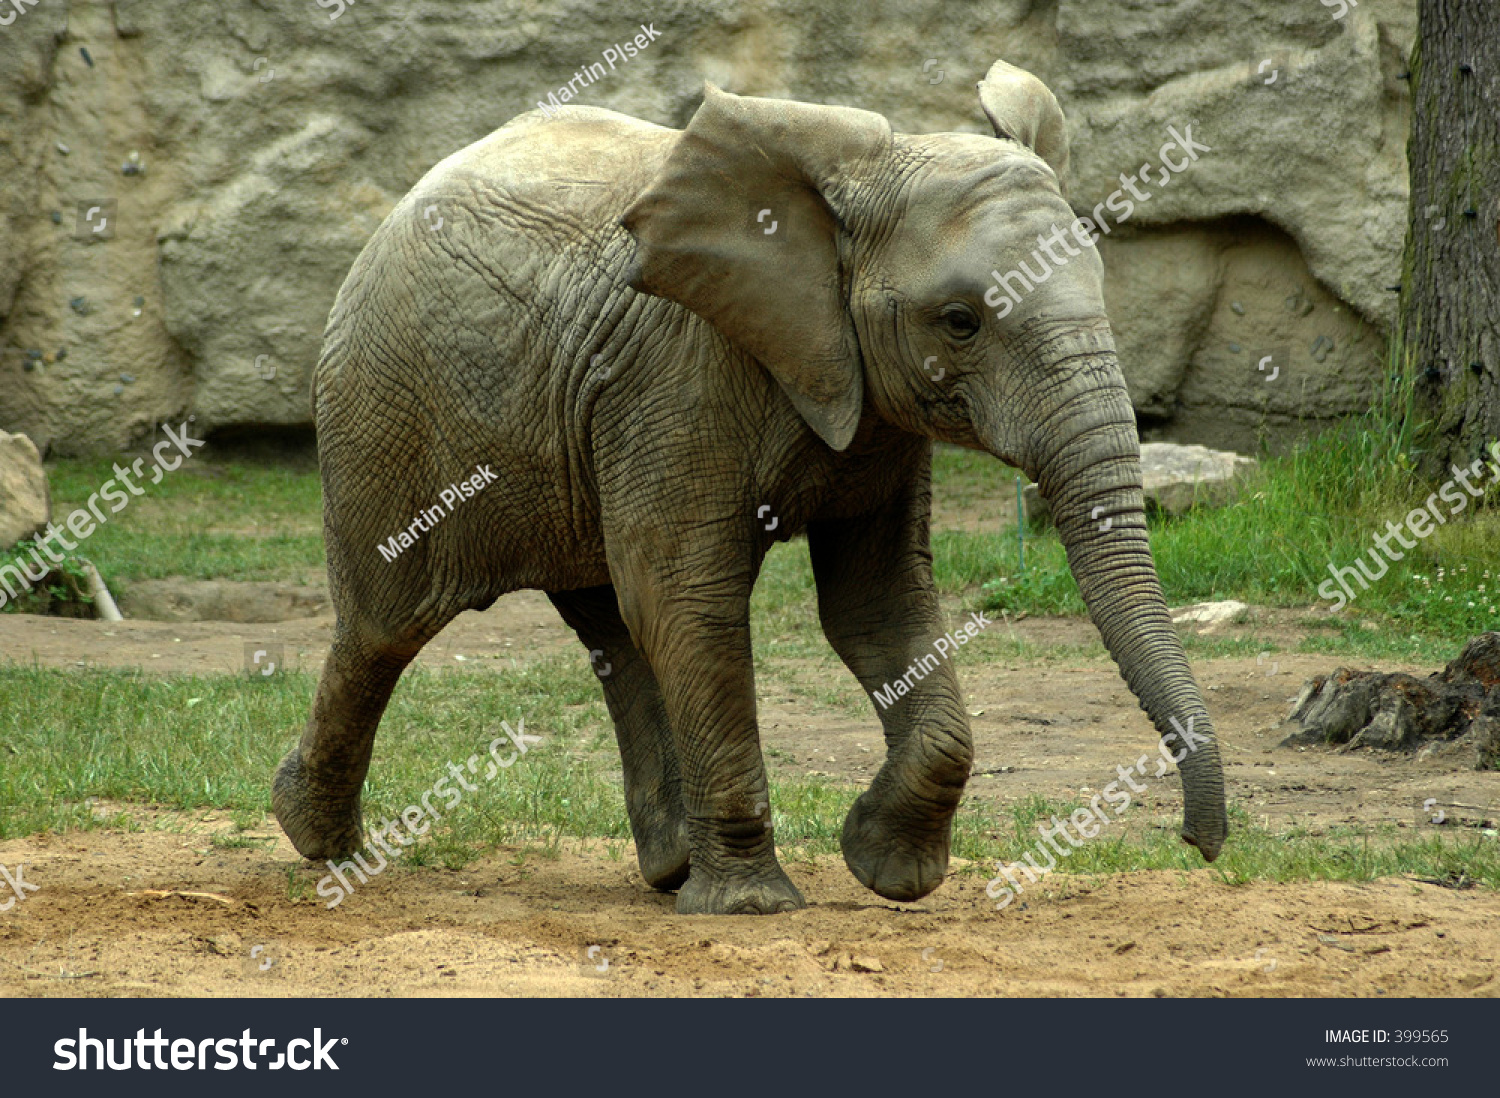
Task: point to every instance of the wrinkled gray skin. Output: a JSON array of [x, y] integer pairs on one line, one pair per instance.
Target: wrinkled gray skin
[[604, 320]]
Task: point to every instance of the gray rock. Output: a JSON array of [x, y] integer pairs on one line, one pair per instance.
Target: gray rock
[[1174, 479], [25, 500], [225, 314], [1159, 289]]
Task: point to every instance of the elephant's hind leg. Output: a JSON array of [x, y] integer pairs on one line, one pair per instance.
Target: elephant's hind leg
[[653, 783], [315, 794]]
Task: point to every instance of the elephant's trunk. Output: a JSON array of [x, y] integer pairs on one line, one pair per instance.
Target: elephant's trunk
[[1089, 471]]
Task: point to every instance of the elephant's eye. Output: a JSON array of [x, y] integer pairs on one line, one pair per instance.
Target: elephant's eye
[[958, 320]]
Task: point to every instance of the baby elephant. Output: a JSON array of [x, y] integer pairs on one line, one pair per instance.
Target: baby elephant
[[635, 357]]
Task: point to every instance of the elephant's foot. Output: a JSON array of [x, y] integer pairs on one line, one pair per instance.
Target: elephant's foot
[[735, 872], [897, 858], [320, 823], [662, 853], [767, 893]]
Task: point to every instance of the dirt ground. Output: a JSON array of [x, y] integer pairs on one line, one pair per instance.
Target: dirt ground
[[162, 912], [154, 913]]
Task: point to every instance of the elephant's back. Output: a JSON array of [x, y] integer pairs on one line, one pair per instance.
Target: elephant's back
[[528, 214], [578, 161], [459, 334]]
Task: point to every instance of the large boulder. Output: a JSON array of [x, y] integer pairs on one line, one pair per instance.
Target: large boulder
[[25, 501], [255, 338]]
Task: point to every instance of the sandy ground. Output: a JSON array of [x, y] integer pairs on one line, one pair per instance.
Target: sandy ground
[[154, 913]]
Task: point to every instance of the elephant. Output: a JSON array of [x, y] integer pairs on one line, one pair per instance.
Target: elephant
[[665, 350]]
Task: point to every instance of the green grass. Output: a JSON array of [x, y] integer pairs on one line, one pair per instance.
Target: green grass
[[206, 520], [194, 743], [1298, 513]]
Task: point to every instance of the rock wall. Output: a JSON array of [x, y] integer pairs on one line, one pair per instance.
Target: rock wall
[[241, 153]]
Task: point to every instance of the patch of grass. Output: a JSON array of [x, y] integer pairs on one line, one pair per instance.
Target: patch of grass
[[206, 520], [962, 561], [977, 481], [1137, 840], [121, 736], [214, 741], [1373, 639], [240, 842]]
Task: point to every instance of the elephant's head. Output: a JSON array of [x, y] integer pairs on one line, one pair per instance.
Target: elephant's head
[[940, 283]]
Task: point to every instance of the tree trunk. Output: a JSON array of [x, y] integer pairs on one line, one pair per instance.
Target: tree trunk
[[1455, 713], [1450, 287]]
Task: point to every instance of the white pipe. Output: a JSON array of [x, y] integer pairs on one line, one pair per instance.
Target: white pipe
[[104, 603]]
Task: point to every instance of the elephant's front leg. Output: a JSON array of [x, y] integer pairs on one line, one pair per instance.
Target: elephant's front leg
[[880, 612], [695, 632]]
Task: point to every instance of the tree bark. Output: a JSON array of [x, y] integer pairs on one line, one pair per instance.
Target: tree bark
[[1450, 287]]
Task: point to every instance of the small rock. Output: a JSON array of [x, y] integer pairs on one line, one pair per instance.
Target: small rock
[[1234, 348], [127, 379], [867, 964], [1239, 309], [1208, 613], [63, 148], [1174, 479], [1330, 940], [57, 217], [80, 305]]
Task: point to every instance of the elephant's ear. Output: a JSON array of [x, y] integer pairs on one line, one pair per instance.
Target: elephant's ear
[[737, 227], [1024, 109]]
